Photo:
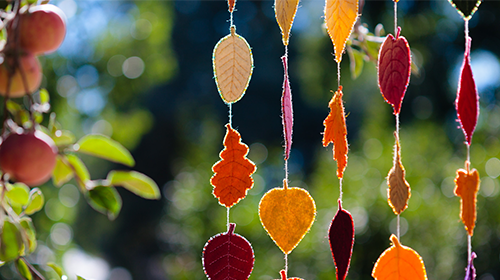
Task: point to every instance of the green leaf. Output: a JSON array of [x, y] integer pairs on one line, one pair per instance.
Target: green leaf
[[80, 278], [105, 200], [19, 194], [135, 182], [29, 235], [36, 202], [106, 148], [80, 170], [10, 242], [63, 138], [62, 172], [56, 268], [44, 95], [23, 269], [356, 62], [13, 107]]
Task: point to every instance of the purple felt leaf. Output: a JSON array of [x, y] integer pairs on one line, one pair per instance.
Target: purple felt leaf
[[470, 271], [228, 256], [467, 102], [394, 68], [341, 235], [287, 110]]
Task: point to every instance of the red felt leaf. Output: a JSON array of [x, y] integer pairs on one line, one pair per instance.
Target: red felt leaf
[[467, 102], [470, 271], [283, 276], [230, 4], [394, 68], [341, 236], [287, 110], [228, 256]]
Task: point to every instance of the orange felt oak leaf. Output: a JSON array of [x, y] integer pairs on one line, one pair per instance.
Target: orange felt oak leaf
[[336, 132], [287, 214], [467, 186], [283, 276], [398, 192], [399, 263], [232, 178], [340, 16]]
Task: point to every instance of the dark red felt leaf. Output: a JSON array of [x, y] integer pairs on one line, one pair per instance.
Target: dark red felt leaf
[[228, 256], [467, 102], [287, 110], [394, 68], [341, 237], [470, 271]]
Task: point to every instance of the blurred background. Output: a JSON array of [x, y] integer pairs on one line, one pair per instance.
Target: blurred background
[[141, 72]]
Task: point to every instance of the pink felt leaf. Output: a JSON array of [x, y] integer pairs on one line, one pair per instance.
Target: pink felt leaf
[[228, 256], [394, 68], [467, 102], [470, 271], [341, 236], [287, 110]]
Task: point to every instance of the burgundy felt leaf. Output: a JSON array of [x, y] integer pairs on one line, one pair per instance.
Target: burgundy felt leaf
[[394, 68], [470, 271], [467, 102], [341, 237], [228, 256], [287, 110]]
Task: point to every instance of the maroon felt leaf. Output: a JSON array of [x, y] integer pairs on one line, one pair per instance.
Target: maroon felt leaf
[[467, 102], [394, 68], [470, 271], [287, 110], [228, 256], [341, 241]]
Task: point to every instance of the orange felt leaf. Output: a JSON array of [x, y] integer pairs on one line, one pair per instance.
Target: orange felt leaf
[[283, 276], [285, 11], [398, 192], [399, 263], [336, 132], [232, 178], [340, 16], [287, 214], [467, 186]]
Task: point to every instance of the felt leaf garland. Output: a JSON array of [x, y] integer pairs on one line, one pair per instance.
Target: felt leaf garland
[[394, 68], [466, 187], [228, 256], [287, 214], [287, 110], [232, 178], [470, 271], [466, 8], [283, 276], [399, 262], [398, 192], [336, 132], [230, 4], [285, 11], [340, 16], [233, 66], [341, 236], [467, 102]]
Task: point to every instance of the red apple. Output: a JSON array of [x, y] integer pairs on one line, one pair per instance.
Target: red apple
[[30, 65], [28, 157], [41, 29]]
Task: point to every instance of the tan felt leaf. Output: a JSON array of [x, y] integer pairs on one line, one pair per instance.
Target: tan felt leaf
[[287, 214], [467, 186], [340, 16], [285, 11], [398, 192], [233, 66]]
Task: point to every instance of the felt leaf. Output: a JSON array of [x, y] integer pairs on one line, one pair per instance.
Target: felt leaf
[[399, 263], [233, 65], [341, 236], [398, 192], [340, 16], [230, 4], [466, 187], [285, 11], [336, 132], [232, 178], [283, 276], [465, 8], [467, 102], [287, 214], [287, 110], [394, 69], [228, 256], [470, 271]]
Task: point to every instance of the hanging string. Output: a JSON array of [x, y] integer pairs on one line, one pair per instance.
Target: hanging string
[[227, 222], [466, 33], [230, 114], [397, 126], [286, 263], [395, 17], [398, 219], [286, 51], [338, 74], [231, 19], [341, 180], [469, 248]]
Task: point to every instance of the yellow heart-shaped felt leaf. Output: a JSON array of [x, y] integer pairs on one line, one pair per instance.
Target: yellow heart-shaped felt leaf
[[287, 214]]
